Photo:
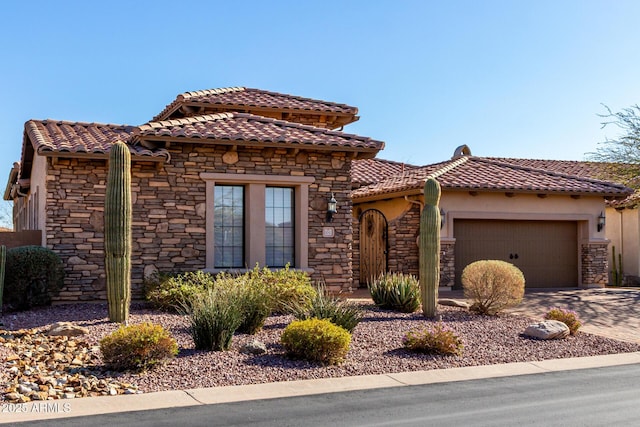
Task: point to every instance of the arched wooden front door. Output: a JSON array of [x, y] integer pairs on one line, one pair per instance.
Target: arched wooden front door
[[373, 245]]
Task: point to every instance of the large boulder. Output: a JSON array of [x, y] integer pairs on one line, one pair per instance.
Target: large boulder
[[547, 330], [67, 329]]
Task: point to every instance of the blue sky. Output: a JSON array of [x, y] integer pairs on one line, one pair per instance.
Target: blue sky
[[507, 78]]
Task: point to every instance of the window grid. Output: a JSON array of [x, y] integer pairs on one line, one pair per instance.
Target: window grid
[[228, 226], [279, 226]]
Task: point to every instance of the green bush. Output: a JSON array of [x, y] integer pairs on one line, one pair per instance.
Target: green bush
[[568, 317], [316, 340], [287, 288], [171, 292], [33, 276], [137, 347], [214, 315], [492, 285], [438, 339], [325, 306], [396, 291]]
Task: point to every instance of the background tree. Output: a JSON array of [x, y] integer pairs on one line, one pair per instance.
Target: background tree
[[6, 214], [623, 152]]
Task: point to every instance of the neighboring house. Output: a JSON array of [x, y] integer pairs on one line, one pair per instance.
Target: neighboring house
[[222, 179], [549, 223]]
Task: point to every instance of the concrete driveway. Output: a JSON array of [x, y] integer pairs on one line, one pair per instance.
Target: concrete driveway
[[610, 312]]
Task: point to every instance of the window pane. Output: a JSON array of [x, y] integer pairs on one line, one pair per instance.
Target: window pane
[[228, 230], [279, 206]]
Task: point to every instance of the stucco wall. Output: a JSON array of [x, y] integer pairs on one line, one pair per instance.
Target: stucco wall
[[623, 230], [169, 213], [403, 218]]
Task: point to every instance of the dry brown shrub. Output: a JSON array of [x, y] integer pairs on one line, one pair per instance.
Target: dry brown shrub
[[492, 285]]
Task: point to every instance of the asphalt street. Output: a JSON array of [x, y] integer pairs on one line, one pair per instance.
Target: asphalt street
[[589, 397]]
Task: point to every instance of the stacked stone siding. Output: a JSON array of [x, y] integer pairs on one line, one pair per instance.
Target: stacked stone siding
[[447, 264], [595, 264], [402, 242], [169, 229]]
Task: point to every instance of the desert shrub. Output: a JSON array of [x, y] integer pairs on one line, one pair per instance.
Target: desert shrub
[[568, 317], [253, 296], [396, 291], [170, 292], [214, 315], [316, 340], [492, 286], [439, 339], [33, 276], [137, 347], [325, 306], [287, 288]]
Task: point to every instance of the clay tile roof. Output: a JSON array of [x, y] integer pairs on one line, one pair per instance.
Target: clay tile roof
[[486, 174], [248, 97], [368, 171], [76, 138], [251, 129]]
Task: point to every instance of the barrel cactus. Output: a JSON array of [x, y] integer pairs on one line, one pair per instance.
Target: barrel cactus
[[117, 233], [430, 248]]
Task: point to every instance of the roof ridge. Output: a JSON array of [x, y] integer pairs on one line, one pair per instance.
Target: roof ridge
[[190, 94], [462, 160], [549, 172], [72, 123]]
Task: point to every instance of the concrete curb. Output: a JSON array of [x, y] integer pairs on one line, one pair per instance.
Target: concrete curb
[[56, 409]]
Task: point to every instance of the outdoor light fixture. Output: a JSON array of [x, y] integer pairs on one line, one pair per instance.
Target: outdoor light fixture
[[442, 217], [332, 208], [601, 221]]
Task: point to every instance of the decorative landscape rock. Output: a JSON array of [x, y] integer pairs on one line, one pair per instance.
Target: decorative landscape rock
[[547, 330], [453, 303], [254, 347], [41, 366], [66, 329]]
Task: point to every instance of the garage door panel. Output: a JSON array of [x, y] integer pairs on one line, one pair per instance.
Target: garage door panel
[[545, 251]]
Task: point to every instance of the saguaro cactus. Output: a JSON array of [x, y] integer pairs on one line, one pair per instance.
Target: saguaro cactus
[[117, 233], [429, 244]]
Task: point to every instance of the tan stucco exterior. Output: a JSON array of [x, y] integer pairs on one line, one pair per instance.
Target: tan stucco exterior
[[584, 210], [623, 230]]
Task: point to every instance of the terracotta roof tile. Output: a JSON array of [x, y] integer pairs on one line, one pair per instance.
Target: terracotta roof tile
[[54, 136], [486, 174], [368, 171], [257, 98], [244, 127]]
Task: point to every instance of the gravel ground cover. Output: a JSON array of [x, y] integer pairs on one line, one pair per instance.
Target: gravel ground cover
[[376, 347]]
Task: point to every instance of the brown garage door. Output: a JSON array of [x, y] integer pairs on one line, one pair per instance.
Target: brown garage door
[[545, 251]]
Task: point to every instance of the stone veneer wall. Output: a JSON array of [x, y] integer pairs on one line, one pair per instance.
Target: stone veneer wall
[[595, 264], [447, 264], [169, 230], [403, 242]]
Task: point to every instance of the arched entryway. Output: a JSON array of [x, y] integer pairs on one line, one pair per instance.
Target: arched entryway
[[373, 245]]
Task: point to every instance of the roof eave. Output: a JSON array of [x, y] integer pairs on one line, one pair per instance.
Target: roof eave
[[363, 151], [13, 177]]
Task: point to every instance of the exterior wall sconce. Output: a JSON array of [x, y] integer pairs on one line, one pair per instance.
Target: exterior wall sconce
[[332, 208], [601, 221], [443, 218]]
